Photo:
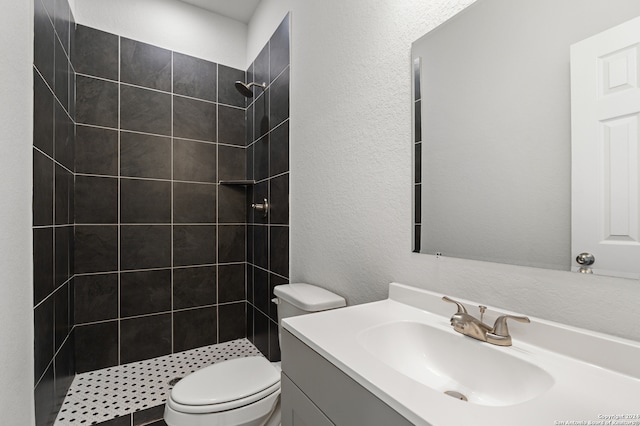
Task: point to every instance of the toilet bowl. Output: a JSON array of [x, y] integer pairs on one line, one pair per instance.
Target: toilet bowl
[[243, 391]]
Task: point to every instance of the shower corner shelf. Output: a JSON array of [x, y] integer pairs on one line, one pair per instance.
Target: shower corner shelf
[[245, 182]]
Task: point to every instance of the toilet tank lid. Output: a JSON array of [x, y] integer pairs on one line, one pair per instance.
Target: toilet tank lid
[[308, 297]]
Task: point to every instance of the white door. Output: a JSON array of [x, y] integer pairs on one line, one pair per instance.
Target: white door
[[605, 115]]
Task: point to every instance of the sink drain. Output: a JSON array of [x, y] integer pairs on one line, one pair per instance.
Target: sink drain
[[175, 380], [456, 395]]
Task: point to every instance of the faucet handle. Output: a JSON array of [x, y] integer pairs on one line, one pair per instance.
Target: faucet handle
[[461, 308], [500, 326], [499, 335]]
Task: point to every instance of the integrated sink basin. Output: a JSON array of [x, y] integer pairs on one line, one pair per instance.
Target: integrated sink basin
[[451, 362], [404, 351]]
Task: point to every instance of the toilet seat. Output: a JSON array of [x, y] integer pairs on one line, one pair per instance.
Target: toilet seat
[[225, 386]]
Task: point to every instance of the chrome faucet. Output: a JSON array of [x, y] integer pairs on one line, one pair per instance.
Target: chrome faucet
[[470, 326]]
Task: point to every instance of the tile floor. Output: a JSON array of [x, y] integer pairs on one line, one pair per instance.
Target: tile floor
[[99, 396]]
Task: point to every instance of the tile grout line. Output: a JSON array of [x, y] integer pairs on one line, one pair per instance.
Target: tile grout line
[[217, 238], [152, 89], [172, 209], [119, 244], [161, 135]]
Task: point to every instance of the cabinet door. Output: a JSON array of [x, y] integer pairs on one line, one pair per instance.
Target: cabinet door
[[297, 409]]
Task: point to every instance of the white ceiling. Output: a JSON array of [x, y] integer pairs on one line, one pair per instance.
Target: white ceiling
[[240, 10]]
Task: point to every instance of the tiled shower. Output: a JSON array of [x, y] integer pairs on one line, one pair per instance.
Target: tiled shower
[[139, 251]]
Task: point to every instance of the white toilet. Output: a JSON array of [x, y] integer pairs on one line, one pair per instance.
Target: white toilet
[[243, 391]]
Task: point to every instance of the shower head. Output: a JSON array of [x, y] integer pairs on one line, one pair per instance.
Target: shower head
[[245, 89]]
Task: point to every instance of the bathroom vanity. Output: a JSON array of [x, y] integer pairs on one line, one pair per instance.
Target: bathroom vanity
[[399, 362], [315, 392]]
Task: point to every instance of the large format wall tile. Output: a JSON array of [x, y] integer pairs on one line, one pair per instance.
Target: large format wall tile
[[96, 102], [279, 190], [231, 240], [261, 158], [42, 263], [145, 65], [62, 21], [194, 119], [44, 398], [194, 286], [194, 203], [96, 248], [43, 43], [96, 298], [279, 49], [145, 337], [261, 69], [64, 149], [96, 151], [61, 322], [96, 346], [145, 292], [145, 110], [43, 101], [194, 77], [145, 246], [233, 204], [62, 74], [145, 201], [232, 321], [96, 53], [43, 329], [63, 259], [279, 250], [187, 336], [279, 149], [231, 280], [279, 98], [194, 244], [96, 200], [231, 127], [43, 169], [145, 156], [228, 94], [231, 163], [194, 161]]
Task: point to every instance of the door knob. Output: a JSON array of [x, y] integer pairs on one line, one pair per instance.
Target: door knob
[[585, 259]]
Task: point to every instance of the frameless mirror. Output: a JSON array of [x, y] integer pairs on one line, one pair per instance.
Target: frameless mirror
[[492, 132]]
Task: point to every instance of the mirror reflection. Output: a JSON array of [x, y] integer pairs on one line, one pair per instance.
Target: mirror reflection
[[493, 129]]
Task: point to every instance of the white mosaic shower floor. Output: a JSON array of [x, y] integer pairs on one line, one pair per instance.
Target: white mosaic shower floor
[[101, 395]]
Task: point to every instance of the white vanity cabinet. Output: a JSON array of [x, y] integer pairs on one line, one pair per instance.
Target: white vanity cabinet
[[317, 393]]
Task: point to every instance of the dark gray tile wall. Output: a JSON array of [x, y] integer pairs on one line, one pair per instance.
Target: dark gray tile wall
[[417, 156], [135, 241], [53, 201], [267, 159], [159, 245]]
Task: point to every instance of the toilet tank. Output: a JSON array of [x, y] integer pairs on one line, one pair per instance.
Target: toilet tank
[[300, 298]]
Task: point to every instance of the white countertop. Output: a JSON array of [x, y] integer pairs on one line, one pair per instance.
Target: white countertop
[[596, 377]]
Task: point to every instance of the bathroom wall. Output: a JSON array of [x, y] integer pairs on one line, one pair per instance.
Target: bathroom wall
[[159, 244], [53, 187], [267, 159], [171, 24], [351, 171], [268, 163], [16, 186]]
